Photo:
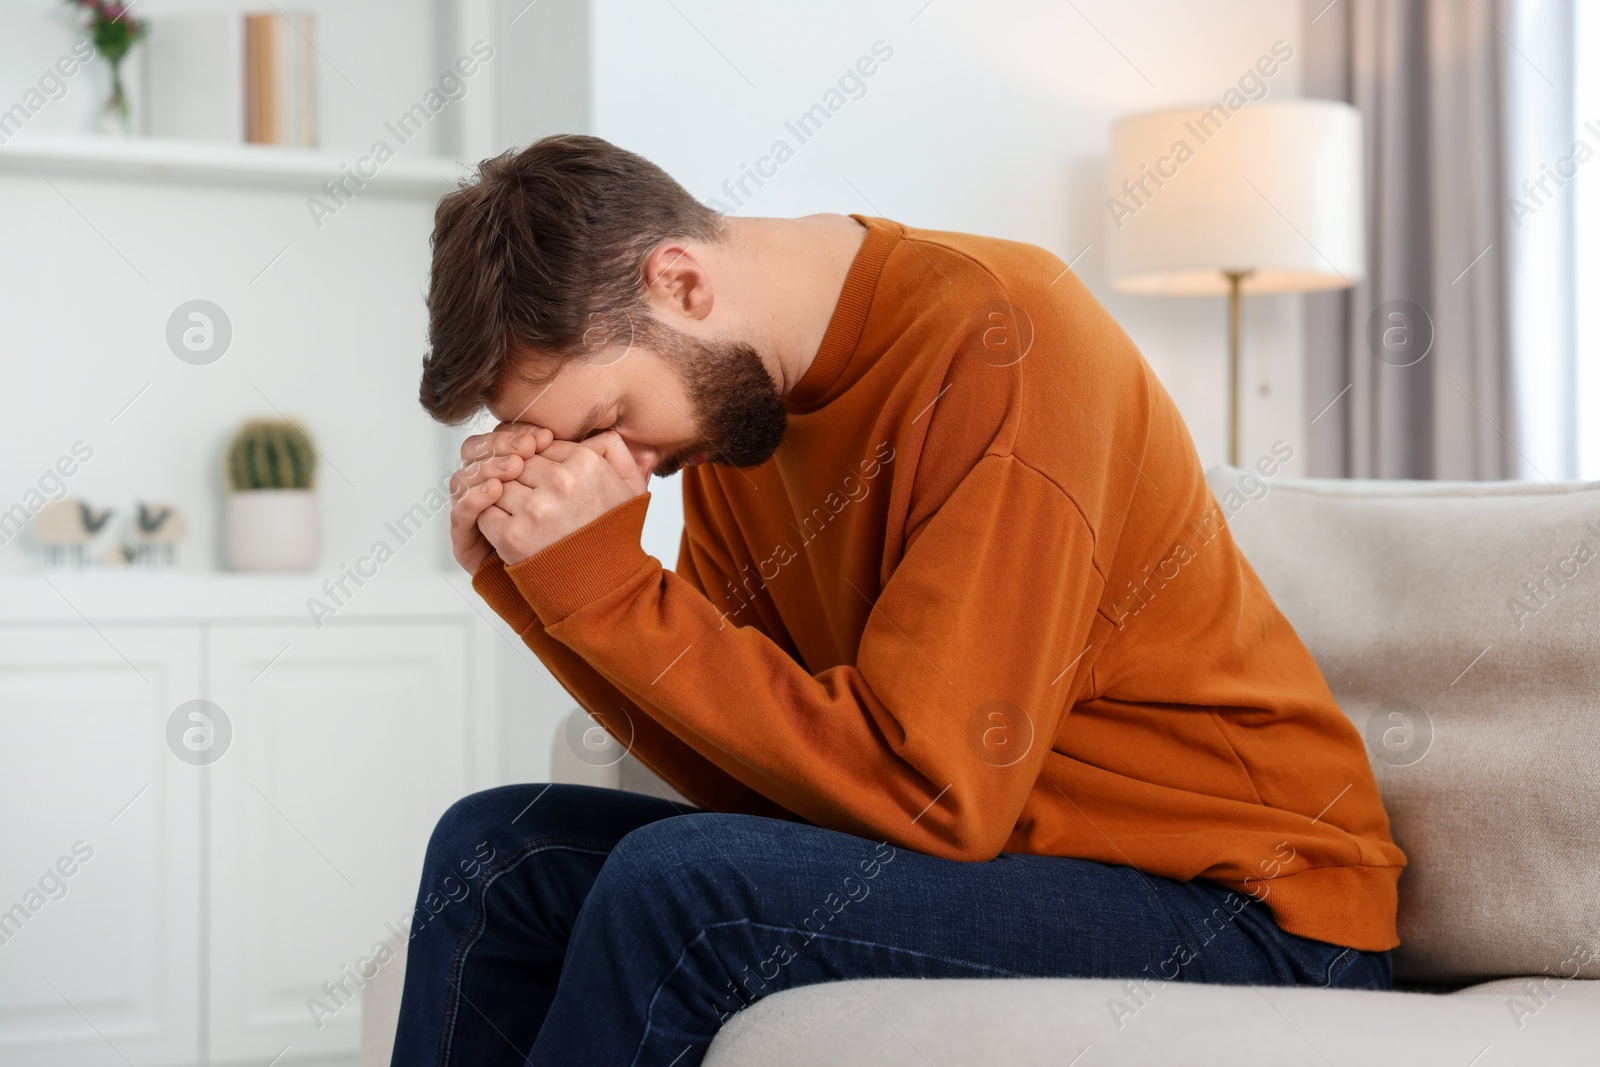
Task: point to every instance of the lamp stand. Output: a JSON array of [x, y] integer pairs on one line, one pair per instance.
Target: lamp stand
[[1235, 278]]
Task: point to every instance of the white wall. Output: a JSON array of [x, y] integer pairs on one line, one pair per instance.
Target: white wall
[[332, 333], [990, 118]]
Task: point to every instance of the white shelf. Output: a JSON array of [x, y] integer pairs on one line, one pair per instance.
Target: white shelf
[[219, 163], [141, 595]]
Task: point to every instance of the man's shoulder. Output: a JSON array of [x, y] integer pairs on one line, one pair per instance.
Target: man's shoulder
[[1002, 297], [1011, 265]]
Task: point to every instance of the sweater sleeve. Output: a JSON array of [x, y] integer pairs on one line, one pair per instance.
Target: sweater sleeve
[[933, 738], [697, 778]]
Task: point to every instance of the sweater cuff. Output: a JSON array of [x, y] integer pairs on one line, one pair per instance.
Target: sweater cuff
[[586, 564], [501, 594]]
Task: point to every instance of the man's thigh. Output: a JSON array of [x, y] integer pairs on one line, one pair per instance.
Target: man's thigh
[[694, 917], [785, 903]]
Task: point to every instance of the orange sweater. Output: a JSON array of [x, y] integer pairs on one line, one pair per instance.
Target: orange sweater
[[980, 600]]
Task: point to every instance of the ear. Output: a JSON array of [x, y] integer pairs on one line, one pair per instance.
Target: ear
[[677, 282]]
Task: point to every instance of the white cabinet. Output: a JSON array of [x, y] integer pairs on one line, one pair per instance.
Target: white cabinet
[[345, 751], [220, 912], [100, 871]]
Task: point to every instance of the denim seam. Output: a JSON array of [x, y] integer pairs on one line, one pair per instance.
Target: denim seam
[[651, 1007], [480, 920], [1339, 965]]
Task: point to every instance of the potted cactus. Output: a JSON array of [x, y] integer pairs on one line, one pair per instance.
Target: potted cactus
[[272, 512]]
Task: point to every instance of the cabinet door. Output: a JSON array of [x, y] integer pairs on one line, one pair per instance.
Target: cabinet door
[[99, 873], [349, 742]]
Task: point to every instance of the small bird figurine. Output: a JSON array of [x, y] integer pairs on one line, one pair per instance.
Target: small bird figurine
[[157, 528], [91, 521], [68, 525]]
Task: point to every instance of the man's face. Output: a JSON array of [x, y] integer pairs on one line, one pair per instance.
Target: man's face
[[682, 402]]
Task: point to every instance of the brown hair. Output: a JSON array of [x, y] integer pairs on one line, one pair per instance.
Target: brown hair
[[537, 250]]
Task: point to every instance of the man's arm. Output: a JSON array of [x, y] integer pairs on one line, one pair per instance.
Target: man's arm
[[932, 740], [704, 783], [476, 487]]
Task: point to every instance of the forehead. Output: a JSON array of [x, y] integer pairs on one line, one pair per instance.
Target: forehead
[[526, 378], [571, 403], [571, 391]]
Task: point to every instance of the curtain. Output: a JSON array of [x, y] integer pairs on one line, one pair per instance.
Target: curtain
[[1413, 373]]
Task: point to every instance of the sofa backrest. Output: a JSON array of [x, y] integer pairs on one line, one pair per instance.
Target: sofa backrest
[[1458, 626]]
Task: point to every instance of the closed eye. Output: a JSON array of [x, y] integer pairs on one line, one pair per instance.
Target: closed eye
[[615, 424]]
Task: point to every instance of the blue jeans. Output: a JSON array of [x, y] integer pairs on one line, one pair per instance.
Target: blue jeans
[[567, 924]]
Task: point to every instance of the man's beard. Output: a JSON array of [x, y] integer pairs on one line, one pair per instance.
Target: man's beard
[[736, 405]]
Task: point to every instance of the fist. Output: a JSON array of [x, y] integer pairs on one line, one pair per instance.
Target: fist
[[561, 487], [487, 461]]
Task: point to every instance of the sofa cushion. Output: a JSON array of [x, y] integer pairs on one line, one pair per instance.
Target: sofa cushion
[[1096, 1022], [1458, 626]]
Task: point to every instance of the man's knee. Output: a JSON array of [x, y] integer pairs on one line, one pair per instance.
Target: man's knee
[[690, 855], [471, 832], [478, 829]]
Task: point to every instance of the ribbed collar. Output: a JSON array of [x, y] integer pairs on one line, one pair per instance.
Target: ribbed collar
[[849, 315]]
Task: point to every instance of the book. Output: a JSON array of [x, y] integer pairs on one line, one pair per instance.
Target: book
[[280, 88]]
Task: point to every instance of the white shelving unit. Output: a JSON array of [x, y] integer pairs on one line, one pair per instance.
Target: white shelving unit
[[216, 163]]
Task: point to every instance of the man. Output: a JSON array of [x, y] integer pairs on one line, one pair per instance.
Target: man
[[958, 662]]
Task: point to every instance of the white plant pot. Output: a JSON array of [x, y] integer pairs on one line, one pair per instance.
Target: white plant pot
[[273, 530]]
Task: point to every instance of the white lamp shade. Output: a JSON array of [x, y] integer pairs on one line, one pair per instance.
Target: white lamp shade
[[1274, 189]]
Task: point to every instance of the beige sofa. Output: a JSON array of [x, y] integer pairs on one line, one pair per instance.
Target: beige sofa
[[1458, 625]]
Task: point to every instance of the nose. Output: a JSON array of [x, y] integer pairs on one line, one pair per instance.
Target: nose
[[644, 457]]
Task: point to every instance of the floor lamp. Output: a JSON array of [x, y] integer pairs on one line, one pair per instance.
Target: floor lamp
[[1261, 198]]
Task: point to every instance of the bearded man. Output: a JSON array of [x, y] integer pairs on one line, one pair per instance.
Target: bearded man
[[958, 664]]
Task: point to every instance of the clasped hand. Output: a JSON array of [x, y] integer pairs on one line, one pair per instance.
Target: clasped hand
[[520, 490]]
